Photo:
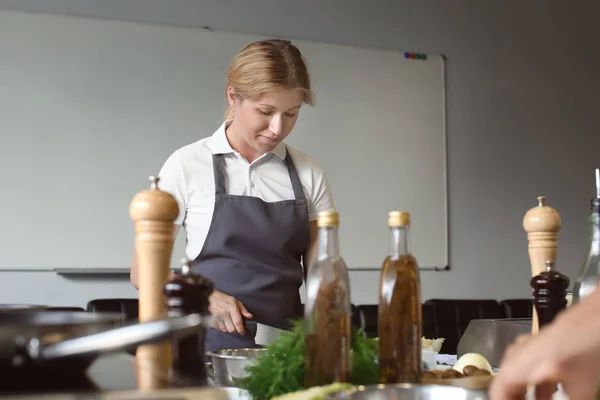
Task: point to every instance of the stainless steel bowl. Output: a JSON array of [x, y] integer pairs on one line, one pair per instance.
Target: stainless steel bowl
[[229, 365], [408, 392]]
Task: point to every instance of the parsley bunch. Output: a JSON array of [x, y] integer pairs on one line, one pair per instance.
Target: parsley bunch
[[281, 369]]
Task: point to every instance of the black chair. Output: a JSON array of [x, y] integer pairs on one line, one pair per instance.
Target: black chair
[[517, 308], [128, 308], [452, 316], [428, 317], [65, 309], [367, 318], [355, 321]]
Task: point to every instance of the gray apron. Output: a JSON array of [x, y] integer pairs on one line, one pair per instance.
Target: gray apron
[[253, 252]]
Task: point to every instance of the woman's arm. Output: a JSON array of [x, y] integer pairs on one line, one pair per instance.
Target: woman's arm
[[133, 275]]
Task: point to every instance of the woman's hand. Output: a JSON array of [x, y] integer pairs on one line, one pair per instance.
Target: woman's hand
[[227, 313]]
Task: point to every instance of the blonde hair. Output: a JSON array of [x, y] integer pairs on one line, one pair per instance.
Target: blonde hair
[[264, 66]]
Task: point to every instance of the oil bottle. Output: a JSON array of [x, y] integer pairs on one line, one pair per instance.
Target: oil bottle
[[327, 310], [399, 310], [590, 270]]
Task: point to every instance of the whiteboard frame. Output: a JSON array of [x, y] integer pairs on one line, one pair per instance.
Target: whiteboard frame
[[445, 268]]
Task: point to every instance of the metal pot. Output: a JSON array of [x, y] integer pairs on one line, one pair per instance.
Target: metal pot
[[50, 342], [229, 365], [408, 392]]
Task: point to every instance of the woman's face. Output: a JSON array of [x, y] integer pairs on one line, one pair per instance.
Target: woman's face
[[262, 123]]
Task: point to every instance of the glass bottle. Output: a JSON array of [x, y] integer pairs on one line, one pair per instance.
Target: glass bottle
[[327, 310], [399, 311], [588, 276], [589, 273]]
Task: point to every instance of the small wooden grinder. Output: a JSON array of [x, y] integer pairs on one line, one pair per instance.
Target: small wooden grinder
[[154, 213], [542, 224]]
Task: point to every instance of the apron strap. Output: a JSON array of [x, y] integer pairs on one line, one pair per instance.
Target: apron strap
[[296, 185], [219, 170]]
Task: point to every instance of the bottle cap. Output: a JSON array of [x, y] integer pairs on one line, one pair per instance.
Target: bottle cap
[[328, 218], [398, 218]]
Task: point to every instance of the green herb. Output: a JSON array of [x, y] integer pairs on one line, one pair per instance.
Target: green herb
[[365, 366], [281, 369]]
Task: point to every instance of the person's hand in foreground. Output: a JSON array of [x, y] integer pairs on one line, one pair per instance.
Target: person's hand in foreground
[[567, 352]]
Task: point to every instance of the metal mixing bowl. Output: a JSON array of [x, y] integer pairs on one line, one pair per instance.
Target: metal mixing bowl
[[228, 365], [408, 392]]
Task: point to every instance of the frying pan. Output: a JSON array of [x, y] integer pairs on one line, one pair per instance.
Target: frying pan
[[20, 307], [51, 342]]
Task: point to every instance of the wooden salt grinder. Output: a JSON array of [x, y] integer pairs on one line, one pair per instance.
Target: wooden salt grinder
[[154, 213], [542, 224]]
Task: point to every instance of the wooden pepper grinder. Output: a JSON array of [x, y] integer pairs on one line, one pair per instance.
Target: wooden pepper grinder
[[154, 213], [549, 294], [542, 224], [186, 294]]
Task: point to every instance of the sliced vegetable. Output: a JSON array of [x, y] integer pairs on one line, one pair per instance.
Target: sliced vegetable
[[315, 393]]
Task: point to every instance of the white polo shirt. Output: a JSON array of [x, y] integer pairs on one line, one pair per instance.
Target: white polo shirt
[[188, 176]]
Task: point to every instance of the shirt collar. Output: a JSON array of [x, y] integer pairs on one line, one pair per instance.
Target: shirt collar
[[220, 145]]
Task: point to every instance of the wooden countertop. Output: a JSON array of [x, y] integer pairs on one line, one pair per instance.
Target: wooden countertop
[[209, 393]]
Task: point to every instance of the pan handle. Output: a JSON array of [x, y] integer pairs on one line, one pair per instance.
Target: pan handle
[[118, 339]]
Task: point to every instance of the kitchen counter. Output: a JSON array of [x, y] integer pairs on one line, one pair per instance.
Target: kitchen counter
[[119, 377]]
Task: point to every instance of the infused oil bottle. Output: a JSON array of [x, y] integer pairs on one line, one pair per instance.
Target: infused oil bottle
[[589, 274], [327, 310], [399, 311]]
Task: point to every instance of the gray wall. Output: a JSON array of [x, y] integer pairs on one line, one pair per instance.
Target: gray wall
[[522, 81]]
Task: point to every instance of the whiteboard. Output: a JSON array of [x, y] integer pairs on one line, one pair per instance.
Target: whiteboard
[[90, 108]]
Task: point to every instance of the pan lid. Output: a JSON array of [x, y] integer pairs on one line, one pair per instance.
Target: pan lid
[[17, 307]]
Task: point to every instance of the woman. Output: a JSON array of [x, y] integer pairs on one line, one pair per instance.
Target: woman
[[248, 202]]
